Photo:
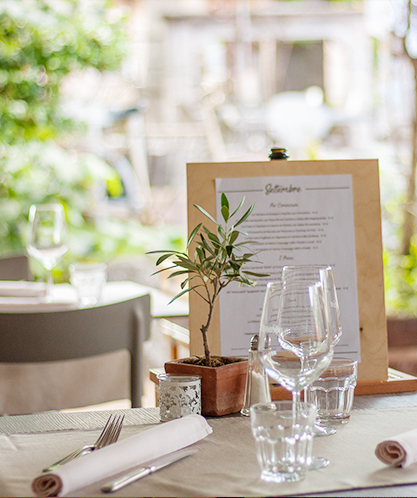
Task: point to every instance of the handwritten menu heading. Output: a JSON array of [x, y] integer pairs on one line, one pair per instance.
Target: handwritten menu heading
[[296, 221]]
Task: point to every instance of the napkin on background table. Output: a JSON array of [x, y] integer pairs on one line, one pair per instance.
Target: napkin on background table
[[22, 288], [123, 455], [399, 451]]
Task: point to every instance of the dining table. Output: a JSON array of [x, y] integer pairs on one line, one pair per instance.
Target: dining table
[[225, 462], [26, 387], [65, 297]]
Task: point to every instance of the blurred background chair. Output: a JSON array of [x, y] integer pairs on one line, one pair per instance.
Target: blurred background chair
[[15, 268], [68, 336]]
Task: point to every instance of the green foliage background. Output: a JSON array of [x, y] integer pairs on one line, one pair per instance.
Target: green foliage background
[[41, 42]]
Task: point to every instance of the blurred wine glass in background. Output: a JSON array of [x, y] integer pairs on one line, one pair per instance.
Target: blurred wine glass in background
[[47, 238]]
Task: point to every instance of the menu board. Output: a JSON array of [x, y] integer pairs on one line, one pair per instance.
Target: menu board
[[338, 199], [297, 220]]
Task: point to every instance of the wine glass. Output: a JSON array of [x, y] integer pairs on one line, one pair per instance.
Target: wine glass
[[294, 344], [324, 274], [47, 238]]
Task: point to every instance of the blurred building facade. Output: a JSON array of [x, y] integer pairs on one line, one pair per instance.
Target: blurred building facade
[[210, 80]]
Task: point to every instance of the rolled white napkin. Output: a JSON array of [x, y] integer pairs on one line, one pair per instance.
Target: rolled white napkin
[[400, 451], [22, 288], [123, 455]]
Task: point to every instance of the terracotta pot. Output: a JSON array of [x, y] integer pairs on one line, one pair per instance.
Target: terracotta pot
[[222, 388]]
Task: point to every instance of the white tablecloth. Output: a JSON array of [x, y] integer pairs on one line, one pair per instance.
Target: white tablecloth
[[225, 464]]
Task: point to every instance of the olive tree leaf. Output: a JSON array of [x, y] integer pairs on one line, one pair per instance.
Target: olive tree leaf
[[225, 213], [193, 234], [205, 213], [246, 215], [233, 236], [237, 209], [184, 292]]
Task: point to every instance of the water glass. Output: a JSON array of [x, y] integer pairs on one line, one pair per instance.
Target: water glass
[[283, 439], [88, 280], [333, 391], [179, 395]]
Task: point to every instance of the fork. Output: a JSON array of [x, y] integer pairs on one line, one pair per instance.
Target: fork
[[110, 434]]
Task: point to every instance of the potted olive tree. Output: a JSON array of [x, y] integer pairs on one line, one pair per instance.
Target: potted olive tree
[[218, 260]]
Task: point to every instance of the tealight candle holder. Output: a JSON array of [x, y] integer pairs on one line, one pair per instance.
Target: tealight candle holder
[[179, 395]]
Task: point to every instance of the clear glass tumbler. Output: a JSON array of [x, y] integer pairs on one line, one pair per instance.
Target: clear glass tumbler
[[88, 280], [283, 438], [333, 392]]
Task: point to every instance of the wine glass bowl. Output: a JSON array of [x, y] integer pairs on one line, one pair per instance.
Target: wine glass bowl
[[323, 274], [299, 343], [47, 238]]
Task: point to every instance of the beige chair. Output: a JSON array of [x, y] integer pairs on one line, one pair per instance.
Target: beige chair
[[78, 333], [15, 268]]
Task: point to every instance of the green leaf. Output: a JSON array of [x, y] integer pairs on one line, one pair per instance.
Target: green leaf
[[201, 254], [224, 201], [221, 231], [185, 282], [237, 209], [233, 236], [246, 215], [193, 234], [246, 242], [177, 273], [225, 213], [207, 246], [162, 259], [205, 213], [163, 269], [253, 274], [184, 292], [165, 252], [213, 238], [186, 264]]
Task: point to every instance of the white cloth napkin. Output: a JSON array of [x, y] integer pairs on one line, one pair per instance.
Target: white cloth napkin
[[400, 451], [123, 455], [22, 288]]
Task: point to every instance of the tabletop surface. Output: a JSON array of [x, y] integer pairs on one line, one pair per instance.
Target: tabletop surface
[[225, 463], [65, 297]]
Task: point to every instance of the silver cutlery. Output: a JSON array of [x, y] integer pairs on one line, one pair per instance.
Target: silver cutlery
[[153, 466], [110, 434]]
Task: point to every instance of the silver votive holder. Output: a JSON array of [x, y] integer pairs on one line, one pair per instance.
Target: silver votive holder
[[179, 395]]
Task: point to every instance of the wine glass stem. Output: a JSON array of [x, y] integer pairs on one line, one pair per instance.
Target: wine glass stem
[[49, 286], [296, 400]]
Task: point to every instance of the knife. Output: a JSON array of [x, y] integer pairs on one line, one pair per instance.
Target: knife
[[153, 466]]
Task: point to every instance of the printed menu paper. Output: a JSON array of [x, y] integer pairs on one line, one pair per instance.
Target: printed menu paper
[[297, 220]]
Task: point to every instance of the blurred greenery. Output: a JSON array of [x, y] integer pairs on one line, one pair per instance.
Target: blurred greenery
[[400, 275], [41, 42]]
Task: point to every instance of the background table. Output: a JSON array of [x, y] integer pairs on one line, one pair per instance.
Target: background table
[[20, 384], [225, 464]]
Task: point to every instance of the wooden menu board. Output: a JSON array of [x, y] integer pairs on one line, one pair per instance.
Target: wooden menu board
[[201, 179]]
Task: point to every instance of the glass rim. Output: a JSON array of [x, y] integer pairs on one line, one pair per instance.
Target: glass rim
[[260, 407], [184, 378], [87, 266], [342, 361], [313, 265]]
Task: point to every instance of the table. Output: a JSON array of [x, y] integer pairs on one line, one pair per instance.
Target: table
[[65, 297], [112, 369], [225, 464]]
